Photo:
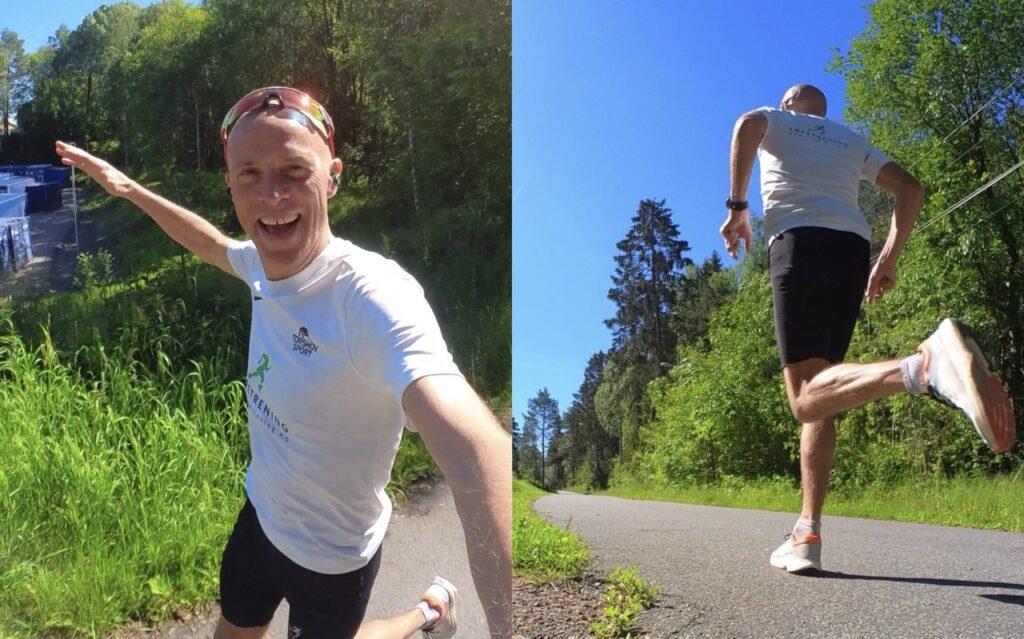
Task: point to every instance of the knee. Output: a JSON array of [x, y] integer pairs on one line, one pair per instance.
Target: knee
[[802, 412]]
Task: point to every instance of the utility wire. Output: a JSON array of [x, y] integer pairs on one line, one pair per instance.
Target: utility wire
[[946, 138], [996, 95], [981, 189]]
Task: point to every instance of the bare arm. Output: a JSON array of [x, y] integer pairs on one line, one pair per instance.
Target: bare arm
[[746, 136], [183, 226], [909, 197], [475, 456]]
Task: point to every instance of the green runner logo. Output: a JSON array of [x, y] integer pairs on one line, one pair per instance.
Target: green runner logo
[[261, 370]]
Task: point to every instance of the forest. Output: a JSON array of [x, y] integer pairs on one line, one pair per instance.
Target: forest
[[690, 392]]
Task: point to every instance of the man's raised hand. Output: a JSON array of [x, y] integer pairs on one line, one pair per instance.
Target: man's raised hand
[[113, 181]]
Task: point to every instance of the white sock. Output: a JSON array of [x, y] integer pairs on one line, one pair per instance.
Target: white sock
[[806, 526], [429, 614], [910, 367]]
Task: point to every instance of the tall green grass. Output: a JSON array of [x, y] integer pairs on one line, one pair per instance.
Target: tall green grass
[[117, 490], [540, 550]]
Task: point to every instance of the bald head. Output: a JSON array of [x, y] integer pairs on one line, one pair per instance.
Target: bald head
[[804, 98]]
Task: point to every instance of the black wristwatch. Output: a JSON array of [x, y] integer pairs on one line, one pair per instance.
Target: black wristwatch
[[736, 205]]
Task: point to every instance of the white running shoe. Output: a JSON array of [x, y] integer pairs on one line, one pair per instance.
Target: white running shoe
[[957, 374], [795, 555], [446, 626]]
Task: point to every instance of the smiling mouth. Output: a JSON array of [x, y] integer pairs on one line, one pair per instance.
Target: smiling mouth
[[279, 225]]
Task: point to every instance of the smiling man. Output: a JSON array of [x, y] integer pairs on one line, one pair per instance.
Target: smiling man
[[343, 351]]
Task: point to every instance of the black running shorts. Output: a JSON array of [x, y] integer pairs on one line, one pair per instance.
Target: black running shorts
[[255, 576], [818, 280]]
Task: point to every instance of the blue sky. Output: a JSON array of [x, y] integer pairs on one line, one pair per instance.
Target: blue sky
[[614, 102]]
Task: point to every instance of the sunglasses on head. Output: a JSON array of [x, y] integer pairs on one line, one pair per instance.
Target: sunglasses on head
[[280, 97]]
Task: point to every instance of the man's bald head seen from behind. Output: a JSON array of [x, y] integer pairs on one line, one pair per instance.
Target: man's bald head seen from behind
[[804, 98]]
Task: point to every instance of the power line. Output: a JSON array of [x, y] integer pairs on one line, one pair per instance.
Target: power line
[[967, 199], [998, 93], [1018, 199], [981, 189]]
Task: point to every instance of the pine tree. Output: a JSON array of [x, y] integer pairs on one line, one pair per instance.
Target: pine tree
[[517, 444], [542, 421], [588, 443], [648, 266]]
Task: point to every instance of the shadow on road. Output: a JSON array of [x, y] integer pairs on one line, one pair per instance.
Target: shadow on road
[[1010, 599], [826, 574]]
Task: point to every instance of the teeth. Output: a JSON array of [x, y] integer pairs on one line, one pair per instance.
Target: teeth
[[274, 221]]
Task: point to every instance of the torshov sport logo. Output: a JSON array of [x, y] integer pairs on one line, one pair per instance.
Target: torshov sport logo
[[303, 343]]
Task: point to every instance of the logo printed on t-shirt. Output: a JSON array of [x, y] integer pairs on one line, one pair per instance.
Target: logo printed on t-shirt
[[303, 343], [816, 133], [261, 370]]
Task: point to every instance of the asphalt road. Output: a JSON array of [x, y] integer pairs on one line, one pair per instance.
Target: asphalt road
[[424, 539], [880, 578]]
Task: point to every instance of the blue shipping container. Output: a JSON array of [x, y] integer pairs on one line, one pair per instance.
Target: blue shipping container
[[12, 204], [42, 198], [59, 174]]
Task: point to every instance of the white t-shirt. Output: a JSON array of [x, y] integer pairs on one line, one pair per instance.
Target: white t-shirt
[[810, 172], [331, 350]]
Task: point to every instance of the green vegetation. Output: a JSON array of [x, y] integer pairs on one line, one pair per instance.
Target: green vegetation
[[689, 400], [626, 596], [541, 551], [124, 434], [975, 502]]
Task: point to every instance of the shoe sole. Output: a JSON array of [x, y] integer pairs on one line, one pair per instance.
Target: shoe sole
[[972, 369], [795, 565], [452, 594]]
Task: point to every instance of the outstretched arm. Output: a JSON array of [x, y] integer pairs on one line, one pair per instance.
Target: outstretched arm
[[746, 136], [475, 455], [183, 226], [909, 197]]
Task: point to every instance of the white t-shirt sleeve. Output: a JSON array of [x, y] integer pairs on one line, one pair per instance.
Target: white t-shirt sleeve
[[244, 259], [874, 160], [393, 337], [769, 115]]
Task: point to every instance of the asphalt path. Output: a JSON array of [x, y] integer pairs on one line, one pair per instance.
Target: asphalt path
[[880, 578], [424, 539]]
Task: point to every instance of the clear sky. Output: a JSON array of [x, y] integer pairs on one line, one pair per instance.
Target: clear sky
[[614, 102]]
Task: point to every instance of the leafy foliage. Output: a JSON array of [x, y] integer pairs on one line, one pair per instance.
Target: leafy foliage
[[626, 596]]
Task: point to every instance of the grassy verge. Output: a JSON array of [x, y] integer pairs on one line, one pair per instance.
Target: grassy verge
[[541, 551], [983, 502]]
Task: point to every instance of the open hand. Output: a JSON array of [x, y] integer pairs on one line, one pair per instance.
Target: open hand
[[113, 181], [736, 228], [882, 279]]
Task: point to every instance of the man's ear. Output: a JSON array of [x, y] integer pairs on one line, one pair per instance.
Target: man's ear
[[227, 184], [335, 169]]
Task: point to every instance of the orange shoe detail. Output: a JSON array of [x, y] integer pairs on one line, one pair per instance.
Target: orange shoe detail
[[806, 539]]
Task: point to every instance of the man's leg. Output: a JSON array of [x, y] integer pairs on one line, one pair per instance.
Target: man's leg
[[227, 630], [434, 614], [399, 627], [817, 450], [819, 390]]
